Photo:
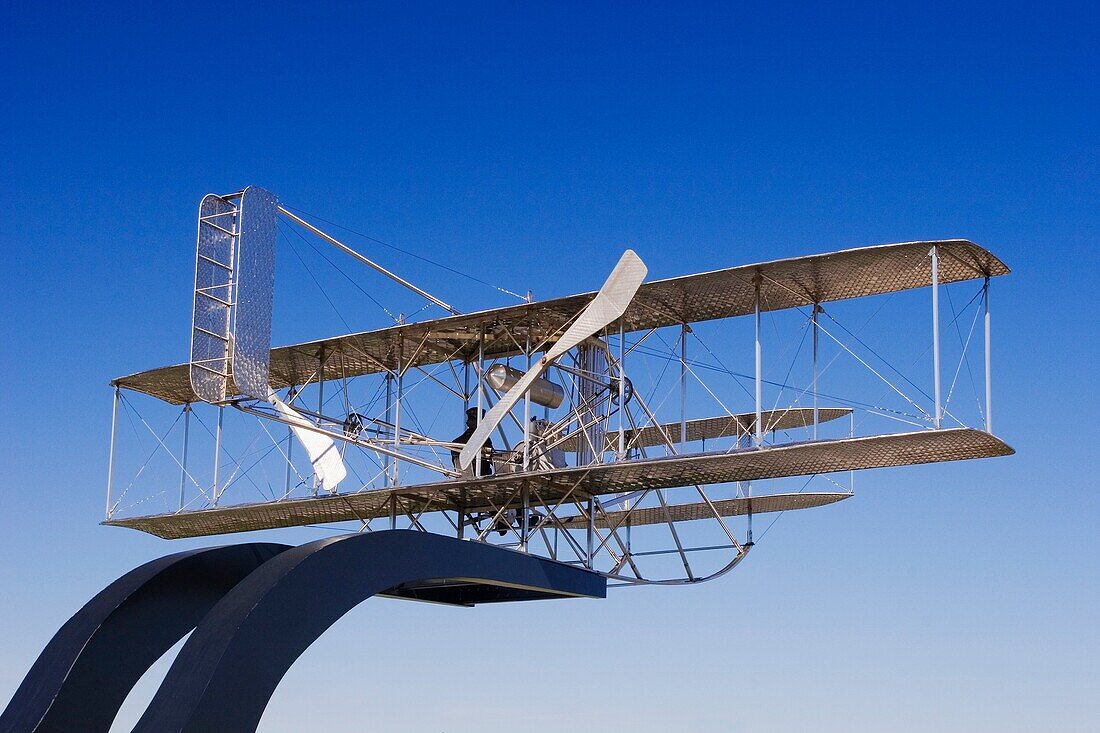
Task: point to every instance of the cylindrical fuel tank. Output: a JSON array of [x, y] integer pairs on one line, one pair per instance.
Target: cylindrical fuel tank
[[543, 392]]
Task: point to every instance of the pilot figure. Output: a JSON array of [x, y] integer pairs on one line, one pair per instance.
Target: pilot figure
[[471, 425]]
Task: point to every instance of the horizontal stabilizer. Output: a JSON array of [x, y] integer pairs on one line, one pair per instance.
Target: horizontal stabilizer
[[709, 428]]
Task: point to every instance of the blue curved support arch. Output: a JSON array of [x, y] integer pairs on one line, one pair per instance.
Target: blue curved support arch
[[225, 674], [82, 677]]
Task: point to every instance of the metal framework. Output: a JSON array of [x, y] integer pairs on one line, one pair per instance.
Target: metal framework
[[634, 475]]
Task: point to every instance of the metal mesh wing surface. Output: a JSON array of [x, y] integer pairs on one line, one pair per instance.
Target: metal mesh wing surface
[[255, 271], [551, 487], [724, 293]]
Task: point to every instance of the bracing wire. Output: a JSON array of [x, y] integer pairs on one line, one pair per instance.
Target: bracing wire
[[338, 269], [965, 348], [722, 369], [954, 321], [927, 348], [407, 253], [317, 282], [874, 353]]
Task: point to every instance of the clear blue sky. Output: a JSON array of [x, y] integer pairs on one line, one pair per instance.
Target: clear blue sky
[[523, 135]]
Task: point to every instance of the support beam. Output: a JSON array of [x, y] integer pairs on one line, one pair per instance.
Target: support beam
[[622, 392], [683, 387], [527, 409], [386, 460], [397, 413], [590, 534], [465, 407], [988, 363], [218, 453], [759, 369], [370, 263], [852, 434], [758, 438], [480, 391], [289, 449], [813, 322], [748, 531], [465, 387], [525, 519], [186, 444], [265, 624], [111, 450], [82, 677], [320, 405], [525, 492], [936, 330]]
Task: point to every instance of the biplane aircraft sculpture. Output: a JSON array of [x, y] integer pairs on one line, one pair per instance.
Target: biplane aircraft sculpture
[[581, 446], [582, 460]]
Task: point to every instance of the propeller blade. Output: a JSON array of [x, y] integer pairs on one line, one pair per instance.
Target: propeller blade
[[608, 305], [322, 451]]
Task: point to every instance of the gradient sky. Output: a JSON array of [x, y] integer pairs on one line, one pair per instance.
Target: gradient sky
[[531, 143]]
